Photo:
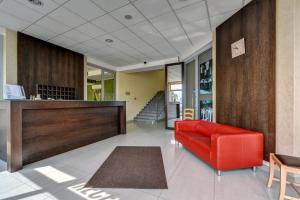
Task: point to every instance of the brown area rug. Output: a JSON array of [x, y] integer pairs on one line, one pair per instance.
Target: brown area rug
[[131, 167]]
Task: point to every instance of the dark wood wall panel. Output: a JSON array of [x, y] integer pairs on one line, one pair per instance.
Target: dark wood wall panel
[[40, 62], [245, 85], [45, 135]]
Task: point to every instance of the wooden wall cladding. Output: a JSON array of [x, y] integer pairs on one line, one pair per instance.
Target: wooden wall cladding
[[40, 62], [45, 135], [245, 85]]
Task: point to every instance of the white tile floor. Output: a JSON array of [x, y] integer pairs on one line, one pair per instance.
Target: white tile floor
[[188, 177]]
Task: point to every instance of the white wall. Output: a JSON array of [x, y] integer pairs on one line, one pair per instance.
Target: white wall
[[1, 65], [288, 77]]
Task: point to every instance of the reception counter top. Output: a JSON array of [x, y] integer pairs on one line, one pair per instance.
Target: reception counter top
[[35, 130]]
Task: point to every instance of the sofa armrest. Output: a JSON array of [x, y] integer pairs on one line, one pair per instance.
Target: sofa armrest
[[239, 150]]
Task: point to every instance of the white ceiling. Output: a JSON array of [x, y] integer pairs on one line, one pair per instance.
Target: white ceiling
[[159, 29]]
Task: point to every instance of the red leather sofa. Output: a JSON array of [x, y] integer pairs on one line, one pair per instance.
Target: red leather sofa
[[221, 146]]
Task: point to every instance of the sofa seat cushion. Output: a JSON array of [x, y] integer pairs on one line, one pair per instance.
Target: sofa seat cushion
[[182, 137], [201, 146], [202, 141]]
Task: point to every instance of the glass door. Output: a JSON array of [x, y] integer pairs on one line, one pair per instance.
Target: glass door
[[94, 84], [190, 85], [108, 85], [205, 86], [1, 66], [100, 84], [174, 93]]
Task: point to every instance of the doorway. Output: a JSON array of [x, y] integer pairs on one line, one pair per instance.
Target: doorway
[[198, 85], [100, 84], [174, 93]]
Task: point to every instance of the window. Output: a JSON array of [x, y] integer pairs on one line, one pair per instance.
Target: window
[[175, 92]]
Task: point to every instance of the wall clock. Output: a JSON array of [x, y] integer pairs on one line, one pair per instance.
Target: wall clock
[[238, 48]]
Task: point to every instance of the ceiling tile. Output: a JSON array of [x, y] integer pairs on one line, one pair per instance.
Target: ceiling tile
[[166, 49], [192, 13], [43, 33], [128, 10], [63, 41], [81, 48], [136, 54], [182, 45], [107, 23], [41, 37], [152, 8], [20, 11], [110, 5], [219, 19], [108, 36], [217, 7], [95, 44], [121, 46], [47, 7], [91, 30], [76, 36], [146, 32], [201, 26], [67, 17], [136, 43], [52, 25], [202, 39], [174, 34], [124, 35], [145, 48], [60, 1], [85, 8], [11, 22], [247, 2], [176, 4], [165, 21]]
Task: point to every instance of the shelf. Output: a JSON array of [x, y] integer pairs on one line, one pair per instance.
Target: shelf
[[55, 92]]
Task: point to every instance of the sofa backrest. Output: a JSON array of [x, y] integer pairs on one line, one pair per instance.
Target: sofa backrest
[[208, 128]]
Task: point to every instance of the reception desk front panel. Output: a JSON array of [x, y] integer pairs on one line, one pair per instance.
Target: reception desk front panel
[[40, 129]]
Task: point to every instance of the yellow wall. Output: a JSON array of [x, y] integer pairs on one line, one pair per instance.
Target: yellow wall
[[142, 86]]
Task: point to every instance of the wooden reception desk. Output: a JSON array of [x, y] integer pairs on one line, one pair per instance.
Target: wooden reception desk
[[34, 130]]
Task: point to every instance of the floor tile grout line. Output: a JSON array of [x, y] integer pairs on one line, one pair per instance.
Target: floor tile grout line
[[171, 175], [214, 190]]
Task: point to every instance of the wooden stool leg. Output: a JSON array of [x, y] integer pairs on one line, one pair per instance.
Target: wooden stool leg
[[271, 171], [282, 182]]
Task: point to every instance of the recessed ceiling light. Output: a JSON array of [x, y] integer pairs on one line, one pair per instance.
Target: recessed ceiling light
[[129, 17], [109, 41], [36, 2]]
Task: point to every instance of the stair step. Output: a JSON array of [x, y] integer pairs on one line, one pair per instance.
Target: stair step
[[153, 110]]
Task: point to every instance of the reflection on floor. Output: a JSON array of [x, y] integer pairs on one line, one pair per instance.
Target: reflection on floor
[[171, 122], [63, 176], [2, 166]]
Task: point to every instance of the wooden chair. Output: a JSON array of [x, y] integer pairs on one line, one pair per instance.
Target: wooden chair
[[287, 164], [189, 114]]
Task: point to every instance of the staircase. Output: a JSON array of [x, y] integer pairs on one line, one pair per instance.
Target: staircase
[[154, 111]]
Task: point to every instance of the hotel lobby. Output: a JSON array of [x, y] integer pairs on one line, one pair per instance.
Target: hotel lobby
[[149, 99]]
